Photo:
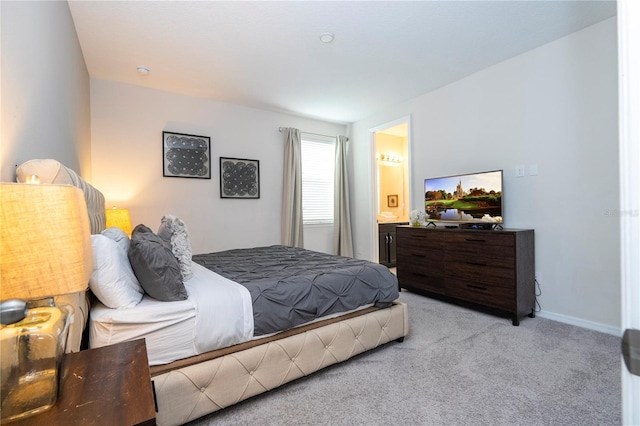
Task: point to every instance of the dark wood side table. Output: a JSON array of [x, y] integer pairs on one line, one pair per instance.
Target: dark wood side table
[[103, 386]]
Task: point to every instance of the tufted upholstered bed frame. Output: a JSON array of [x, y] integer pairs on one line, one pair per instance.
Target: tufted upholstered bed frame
[[194, 387], [191, 388]]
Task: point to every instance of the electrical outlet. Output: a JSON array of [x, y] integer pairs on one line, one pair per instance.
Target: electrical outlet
[[520, 170]]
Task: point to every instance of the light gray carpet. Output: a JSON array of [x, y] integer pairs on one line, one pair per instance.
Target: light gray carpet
[[456, 367]]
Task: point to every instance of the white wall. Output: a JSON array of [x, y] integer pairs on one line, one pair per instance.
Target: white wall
[[554, 107], [45, 88], [126, 137]]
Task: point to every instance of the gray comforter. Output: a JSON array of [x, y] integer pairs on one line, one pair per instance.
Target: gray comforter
[[290, 286]]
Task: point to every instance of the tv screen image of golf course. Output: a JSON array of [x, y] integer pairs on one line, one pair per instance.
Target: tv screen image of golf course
[[473, 197]]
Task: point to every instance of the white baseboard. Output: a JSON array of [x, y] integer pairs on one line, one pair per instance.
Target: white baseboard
[[579, 322]]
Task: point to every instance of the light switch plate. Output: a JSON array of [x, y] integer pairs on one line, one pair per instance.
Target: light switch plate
[[520, 170]]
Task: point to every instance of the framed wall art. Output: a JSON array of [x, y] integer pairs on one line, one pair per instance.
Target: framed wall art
[[392, 200], [239, 178], [187, 156]]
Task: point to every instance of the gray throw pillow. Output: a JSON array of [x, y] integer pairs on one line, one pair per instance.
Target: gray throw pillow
[[155, 266]]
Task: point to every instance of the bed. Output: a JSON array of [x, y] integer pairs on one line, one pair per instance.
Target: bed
[[250, 320]]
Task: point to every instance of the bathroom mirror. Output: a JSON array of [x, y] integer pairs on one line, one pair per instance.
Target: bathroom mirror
[[392, 191], [392, 153]]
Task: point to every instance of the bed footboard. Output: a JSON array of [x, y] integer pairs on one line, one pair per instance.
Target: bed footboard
[[194, 391]]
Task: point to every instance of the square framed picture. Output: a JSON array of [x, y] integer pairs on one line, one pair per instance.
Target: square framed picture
[[239, 178], [392, 200], [187, 156]]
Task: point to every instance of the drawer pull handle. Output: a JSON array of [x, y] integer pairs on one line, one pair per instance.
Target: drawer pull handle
[[477, 287], [476, 264], [418, 274], [418, 255], [477, 240]]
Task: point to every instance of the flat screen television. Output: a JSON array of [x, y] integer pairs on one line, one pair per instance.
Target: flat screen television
[[473, 197]]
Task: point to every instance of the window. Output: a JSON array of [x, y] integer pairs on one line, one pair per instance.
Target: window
[[318, 164]]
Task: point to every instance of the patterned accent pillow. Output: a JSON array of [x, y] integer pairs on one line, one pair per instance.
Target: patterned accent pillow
[[174, 231]]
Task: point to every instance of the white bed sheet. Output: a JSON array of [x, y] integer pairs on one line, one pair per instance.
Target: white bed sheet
[[217, 313]]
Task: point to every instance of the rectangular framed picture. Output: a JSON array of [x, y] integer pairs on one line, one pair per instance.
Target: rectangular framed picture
[[239, 178], [187, 156], [392, 200]]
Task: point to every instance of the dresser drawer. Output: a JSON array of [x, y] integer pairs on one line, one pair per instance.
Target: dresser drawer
[[419, 238], [479, 237], [496, 246], [486, 294], [421, 280], [420, 257], [498, 271], [421, 269]]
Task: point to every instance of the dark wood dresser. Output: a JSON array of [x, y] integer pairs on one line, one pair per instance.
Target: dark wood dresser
[[484, 268]]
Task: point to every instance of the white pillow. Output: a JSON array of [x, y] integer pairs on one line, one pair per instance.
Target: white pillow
[[112, 280], [173, 231], [119, 236]]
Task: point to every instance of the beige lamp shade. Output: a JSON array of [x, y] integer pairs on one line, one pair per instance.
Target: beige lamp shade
[[119, 218], [45, 241]]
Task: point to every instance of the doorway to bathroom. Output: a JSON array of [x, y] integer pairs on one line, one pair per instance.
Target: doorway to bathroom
[[392, 185]]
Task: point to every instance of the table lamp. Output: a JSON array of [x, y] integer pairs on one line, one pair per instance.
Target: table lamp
[[120, 219], [45, 251]]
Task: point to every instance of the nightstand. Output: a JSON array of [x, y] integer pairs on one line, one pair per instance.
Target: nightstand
[[103, 386]]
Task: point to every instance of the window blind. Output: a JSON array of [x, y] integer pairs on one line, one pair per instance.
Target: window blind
[[318, 165]]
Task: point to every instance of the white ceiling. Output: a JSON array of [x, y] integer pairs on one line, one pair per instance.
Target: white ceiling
[[267, 54]]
